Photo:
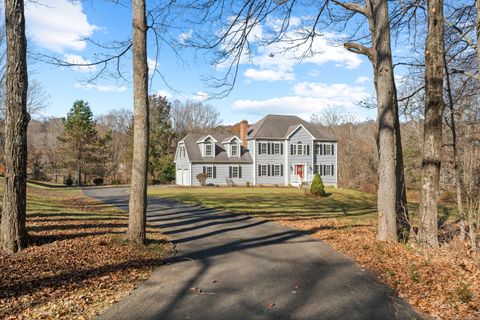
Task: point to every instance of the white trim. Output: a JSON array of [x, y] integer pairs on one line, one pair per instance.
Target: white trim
[[296, 129], [305, 168], [286, 168], [191, 173], [230, 140], [254, 171], [205, 138]]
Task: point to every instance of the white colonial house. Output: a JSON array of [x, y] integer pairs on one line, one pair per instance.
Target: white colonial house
[[277, 150]]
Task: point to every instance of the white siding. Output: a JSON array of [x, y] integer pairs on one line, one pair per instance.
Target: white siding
[[223, 173]]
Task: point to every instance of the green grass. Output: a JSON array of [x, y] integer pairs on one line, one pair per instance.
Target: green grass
[[276, 202]]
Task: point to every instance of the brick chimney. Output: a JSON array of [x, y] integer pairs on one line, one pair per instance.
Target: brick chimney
[[244, 132]]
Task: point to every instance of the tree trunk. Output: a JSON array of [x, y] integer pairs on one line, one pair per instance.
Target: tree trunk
[[138, 192], [386, 108], [457, 176], [432, 134], [13, 231]]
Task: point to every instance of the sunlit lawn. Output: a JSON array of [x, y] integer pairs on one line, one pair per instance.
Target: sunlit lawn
[[275, 201]]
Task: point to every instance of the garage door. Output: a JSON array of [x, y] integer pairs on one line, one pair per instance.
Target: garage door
[[186, 178], [178, 177]]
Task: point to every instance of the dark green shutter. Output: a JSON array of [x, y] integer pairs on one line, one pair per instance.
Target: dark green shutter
[[259, 170], [269, 148], [240, 172], [291, 149], [281, 148], [281, 170], [204, 170], [333, 149], [332, 172], [268, 170], [308, 150], [214, 172], [230, 171]]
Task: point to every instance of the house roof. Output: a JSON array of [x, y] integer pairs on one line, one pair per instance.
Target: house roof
[[280, 127], [195, 154]]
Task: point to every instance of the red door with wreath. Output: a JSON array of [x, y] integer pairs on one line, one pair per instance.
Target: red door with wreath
[[299, 170]]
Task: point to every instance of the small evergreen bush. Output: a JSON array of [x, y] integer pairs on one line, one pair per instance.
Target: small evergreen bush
[[69, 181], [317, 188]]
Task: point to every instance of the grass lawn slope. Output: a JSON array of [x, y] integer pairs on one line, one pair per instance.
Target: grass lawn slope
[[444, 284], [77, 263]]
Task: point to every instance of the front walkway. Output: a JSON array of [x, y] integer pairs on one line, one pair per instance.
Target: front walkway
[[229, 266]]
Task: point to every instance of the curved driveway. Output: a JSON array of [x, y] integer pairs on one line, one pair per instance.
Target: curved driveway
[[229, 266]]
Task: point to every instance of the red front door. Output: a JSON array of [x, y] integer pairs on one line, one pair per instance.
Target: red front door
[[299, 170]]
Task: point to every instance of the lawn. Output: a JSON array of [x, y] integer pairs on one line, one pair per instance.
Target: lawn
[[444, 284], [77, 263], [276, 202]]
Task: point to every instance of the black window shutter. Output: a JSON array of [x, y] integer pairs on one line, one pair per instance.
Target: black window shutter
[[281, 170], [332, 172], [259, 170], [315, 169], [214, 172], [308, 150], [268, 171], [259, 148], [268, 148], [230, 171], [333, 149], [291, 149], [204, 170], [240, 171], [281, 148]]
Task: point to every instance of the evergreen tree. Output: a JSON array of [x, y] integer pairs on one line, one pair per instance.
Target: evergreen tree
[[317, 188], [79, 139]]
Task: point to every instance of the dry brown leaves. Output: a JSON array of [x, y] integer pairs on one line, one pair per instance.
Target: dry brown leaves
[[78, 263], [444, 284]]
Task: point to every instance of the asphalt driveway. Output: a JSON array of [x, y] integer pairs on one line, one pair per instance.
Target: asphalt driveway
[[229, 266]]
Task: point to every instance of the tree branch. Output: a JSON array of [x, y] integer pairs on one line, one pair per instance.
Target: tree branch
[[353, 7], [359, 49]]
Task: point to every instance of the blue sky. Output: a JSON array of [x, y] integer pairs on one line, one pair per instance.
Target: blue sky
[[279, 84]]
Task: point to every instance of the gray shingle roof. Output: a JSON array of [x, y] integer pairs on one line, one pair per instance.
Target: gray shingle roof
[[221, 156], [279, 127]]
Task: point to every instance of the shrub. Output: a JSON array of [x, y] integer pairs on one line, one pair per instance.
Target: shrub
[[69, 181], [202, 178], [248, 184], [98, 181], [156, 181], [317, 188], [116, 182]]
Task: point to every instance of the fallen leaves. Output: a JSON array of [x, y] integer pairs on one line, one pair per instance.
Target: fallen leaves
[[77, 264], [444, 284]]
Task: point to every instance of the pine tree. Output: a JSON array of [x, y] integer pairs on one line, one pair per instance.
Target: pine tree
[[317, 188], [79, 139]]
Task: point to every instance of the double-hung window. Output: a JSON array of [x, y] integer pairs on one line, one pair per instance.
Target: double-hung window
[[208, 149], [209, 171], [276, 148], [234, 171], [277, 170], [263, 146], [325, 169], [234, 150]]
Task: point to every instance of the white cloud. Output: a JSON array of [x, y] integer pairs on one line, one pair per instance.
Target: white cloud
[[100, 87], [185, 36], [152, 65], [307, 98], [200, 96], [272, 60], [164, 93], [58, 25], [75, 59], [268, 75], [314, 73], [362, 79]]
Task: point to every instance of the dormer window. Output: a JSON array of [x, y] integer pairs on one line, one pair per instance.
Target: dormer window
[[234, 150], [208, 149]]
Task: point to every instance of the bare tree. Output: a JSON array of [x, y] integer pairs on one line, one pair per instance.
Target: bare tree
[[13, 230], [193, 116], [432, 133], [138, 191]]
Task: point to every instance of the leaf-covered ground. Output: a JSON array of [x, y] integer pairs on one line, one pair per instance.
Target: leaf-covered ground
[[77, 263], [444, 284]]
